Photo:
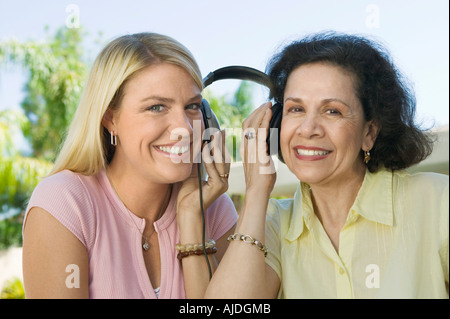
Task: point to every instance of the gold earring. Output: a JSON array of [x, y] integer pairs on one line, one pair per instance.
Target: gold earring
[[367, 156], [113, 139]]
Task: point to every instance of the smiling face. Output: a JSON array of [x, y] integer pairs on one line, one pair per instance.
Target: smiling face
[[323, 127], [154, 124]]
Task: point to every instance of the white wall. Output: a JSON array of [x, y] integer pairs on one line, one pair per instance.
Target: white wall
[[10, 265]]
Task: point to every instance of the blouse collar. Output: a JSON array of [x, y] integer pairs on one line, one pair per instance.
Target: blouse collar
[[373, 202]]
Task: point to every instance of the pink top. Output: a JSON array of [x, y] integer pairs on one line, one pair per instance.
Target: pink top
[[91, 210]]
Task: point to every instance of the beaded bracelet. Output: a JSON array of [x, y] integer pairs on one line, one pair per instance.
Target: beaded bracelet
[[248, 239], [194, 247], [198, 252]]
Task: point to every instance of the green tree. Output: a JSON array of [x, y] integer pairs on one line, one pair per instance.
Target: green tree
[[18, 174], [231, 112], [56, 76], [18, 177]]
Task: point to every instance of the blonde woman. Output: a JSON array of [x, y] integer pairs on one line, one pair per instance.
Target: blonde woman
[[118, 214]]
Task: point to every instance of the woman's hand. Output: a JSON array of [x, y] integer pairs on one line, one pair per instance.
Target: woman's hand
[[259, 169], [243, 272], [217, 163]]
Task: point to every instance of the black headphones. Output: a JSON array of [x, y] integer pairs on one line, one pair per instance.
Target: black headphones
[[243, 73], [211, 122]]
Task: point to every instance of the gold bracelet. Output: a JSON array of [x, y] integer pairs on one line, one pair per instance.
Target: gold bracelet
[[249, 239], [193, 247]]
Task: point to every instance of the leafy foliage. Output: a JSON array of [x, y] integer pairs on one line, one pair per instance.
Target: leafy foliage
[[11, 232], [231, 113], [18, 177], [18, 174], [13, 290], [56, 76]]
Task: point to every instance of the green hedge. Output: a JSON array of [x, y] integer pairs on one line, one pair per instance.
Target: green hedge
[[11, 232]]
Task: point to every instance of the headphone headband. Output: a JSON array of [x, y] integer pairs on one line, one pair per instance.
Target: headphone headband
[[239, 73], [244, 73]]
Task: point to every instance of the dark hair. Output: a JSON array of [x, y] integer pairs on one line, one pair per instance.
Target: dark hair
[[386, 96]]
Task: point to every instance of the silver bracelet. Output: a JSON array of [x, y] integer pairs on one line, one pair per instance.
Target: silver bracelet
[[249, 239]]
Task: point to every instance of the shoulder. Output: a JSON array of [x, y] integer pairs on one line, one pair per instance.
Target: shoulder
[[221, 216], [424, 183], [62, 183], [223, 205], [421, 176], [63, 190], [425, 197], [280, 205], [279, 211], [69, 197]]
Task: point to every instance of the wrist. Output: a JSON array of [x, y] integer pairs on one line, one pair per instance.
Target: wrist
[[186, 250], [190, 226], [188, 216], [257, 193], [252, 217]]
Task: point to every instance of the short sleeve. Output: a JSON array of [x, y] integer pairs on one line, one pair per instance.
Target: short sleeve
[[66, 198], [273, 232], [220, 217]]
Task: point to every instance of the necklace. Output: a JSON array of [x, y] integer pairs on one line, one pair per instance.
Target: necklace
[[145, 242]]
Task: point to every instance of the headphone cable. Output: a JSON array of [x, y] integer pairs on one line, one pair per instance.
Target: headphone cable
[[200, 184]]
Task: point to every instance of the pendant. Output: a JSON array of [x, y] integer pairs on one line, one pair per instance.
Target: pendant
[[146, 246]]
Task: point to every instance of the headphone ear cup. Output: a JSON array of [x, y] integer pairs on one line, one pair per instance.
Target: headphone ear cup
[[209, 120], [206, 110], [273, 138]]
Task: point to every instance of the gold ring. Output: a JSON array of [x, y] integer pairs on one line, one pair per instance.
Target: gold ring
[[224, 175]]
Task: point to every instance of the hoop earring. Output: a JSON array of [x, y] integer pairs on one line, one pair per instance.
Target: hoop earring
[[366, 157], [113, 139]]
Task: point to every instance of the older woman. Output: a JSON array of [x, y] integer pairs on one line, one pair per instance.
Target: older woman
[[359, 225]]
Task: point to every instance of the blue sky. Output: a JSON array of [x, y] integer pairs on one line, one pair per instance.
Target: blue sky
[[248, 32]]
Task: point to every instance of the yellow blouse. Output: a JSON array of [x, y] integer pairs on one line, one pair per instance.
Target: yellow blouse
[[395, 243]]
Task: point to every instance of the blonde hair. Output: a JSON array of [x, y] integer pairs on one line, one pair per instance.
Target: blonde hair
[[87, 148]]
